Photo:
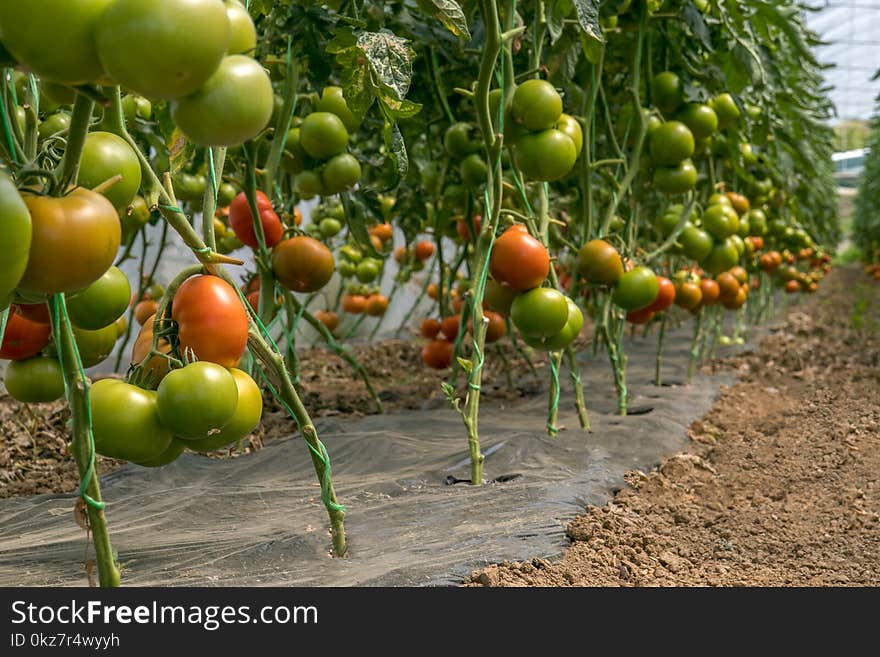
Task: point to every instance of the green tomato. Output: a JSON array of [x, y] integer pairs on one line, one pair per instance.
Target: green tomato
[[295, 158], [636, 289], [54, 124], [367, 270], [242, 33], [226, 194], [329, 227], [136, 107], [570, 126], [726, 109], [757, 222], [676, 179], [341, 172], [669, 220], [56, 38], [539, 313], [232, 106], [248, 411], [566, 336], [102, 302], [721, 221], [95, 346], [189, 187], [700, 119], [346, 268], [671, 143], [739, 243], [323, 135], [135, 216], [308, 184], [351, 253], [536, 105], [333, 101], [15, 238], [459, 141], [104, 156], [180, 45], [125, 422], [667, 91], [35, 380], [546, 156], [171, 454], [722, 257], [196, 401], [696, 243], [473, 171]]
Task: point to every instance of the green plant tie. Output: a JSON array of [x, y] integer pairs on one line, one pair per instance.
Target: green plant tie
[[59, 315], [478, 295], [212, 175], [172, 208], [321, 452], [32, 81], [4, 317], [7, 126], [554, 403]]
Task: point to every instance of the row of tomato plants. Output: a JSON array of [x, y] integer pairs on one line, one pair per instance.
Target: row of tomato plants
[[586, 160]]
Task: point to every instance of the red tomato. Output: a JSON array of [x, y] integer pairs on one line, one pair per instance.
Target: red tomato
[[328, 318], [430, 327], [665, 295], [242, 223], [711, 291], [437, 354], [449, 327], [519, 260], [23, 338], [354, 303], [212, 321], [424, 250], [642, 316], [36, 312]]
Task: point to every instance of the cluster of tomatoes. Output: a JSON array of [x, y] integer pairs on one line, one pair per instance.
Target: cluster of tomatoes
[[59, 245], [203, 404], [195, 57], [316, 148], [688, 130], [546, 142]]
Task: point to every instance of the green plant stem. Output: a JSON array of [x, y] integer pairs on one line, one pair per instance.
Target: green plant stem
[[274, 363], [77, 388], [493, 143], [335, 347], [76, 139]]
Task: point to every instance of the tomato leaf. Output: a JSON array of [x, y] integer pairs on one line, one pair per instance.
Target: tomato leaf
[[697, 25], [588, 17], [450, 15]]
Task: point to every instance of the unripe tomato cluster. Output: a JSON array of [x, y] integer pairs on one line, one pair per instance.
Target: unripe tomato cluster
[[196, 57], [316, 149], [204, 405]]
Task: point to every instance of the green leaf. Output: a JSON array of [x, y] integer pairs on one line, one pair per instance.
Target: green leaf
[[694, 19], [465, 364], [450, 15], [390, 59], [588, 17]]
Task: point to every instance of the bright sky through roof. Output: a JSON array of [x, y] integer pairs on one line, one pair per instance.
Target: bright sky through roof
[[851, 29]]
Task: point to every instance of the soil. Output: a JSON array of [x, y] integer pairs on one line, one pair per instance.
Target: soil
[[780, 485], [34, 458]]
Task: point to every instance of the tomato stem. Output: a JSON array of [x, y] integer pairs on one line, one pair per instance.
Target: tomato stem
[[77, 389]]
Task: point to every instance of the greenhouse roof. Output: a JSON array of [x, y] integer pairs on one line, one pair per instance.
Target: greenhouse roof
[[851, 30]]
